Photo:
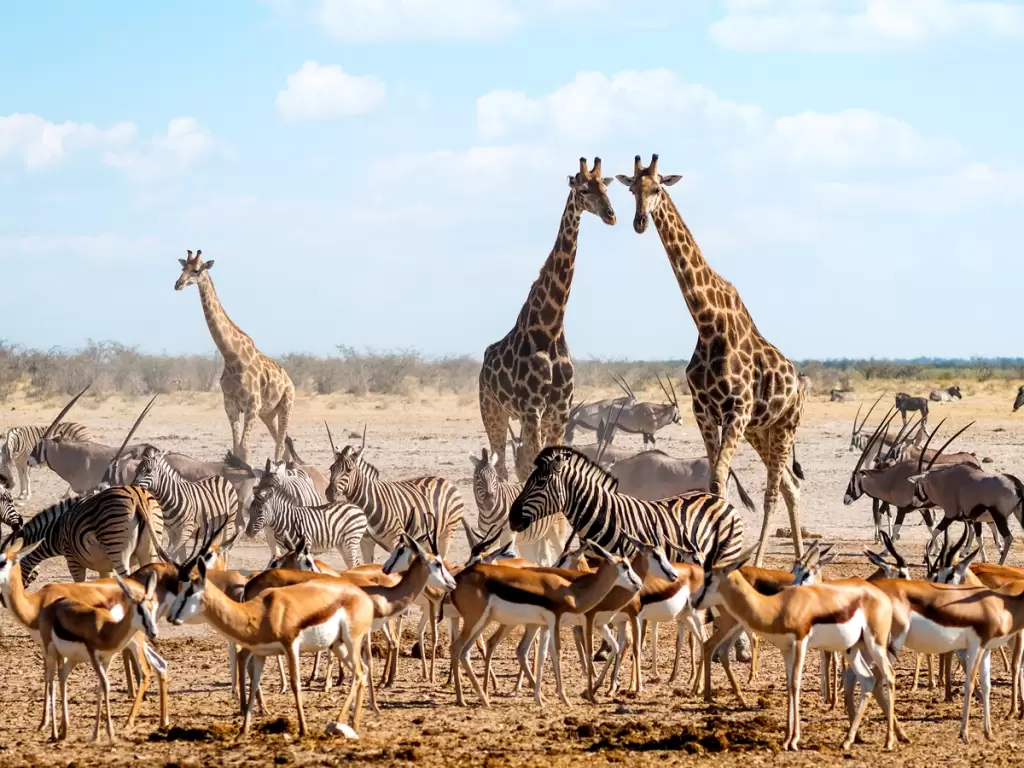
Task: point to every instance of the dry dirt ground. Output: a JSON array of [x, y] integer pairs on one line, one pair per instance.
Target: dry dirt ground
[[435, 434]]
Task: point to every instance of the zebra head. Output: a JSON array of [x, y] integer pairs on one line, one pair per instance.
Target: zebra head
[[485, 479], [261, 496], [8, 513], [344, 474], [151, 465], [192, 269], [544, 492]]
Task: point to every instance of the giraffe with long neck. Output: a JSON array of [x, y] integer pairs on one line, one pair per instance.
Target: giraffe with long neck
[[528, 375], [253, 384], [742, 385]]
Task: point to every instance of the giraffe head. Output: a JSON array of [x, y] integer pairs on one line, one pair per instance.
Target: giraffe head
[[647, 185], [191, 269], [592, 191]]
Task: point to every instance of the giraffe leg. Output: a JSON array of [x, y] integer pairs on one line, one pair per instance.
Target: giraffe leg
[[495, 420], [529, 447], [732, 432], [284, 415], [770, 448], [235, 419], [270, 421], [249, 421], [709, 432]]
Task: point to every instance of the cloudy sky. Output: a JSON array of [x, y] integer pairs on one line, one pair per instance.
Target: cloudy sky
[[390, 173]]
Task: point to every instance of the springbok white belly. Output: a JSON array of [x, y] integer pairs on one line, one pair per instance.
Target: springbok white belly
[[666, 610], [927, 636], [839, 636], [75, 651], [318, 637], [515, 614]]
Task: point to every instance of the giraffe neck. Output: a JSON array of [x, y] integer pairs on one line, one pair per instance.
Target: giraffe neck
[[697, 280], [226, 335], [545, 306]]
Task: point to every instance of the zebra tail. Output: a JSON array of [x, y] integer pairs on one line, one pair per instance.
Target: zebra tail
[[744, 496]]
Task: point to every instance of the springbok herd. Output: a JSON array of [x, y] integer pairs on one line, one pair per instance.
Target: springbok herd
[[591, 537]]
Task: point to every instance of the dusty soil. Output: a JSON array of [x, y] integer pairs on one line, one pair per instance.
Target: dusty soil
[[435, 434]]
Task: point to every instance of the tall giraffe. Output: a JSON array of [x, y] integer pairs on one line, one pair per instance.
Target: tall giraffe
[[252, 383], [741, 384], [528, 375]]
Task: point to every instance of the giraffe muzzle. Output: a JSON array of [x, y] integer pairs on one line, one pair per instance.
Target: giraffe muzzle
[[640, 223]]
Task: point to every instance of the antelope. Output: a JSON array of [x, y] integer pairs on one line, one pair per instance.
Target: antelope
[[79, 633], [19, 442], [1019, 400], [906, 403], [82, 464], [646, 418], [842, 396], [853, 617], [946, 395], [593, 416], [516, 596], [318, 614], [319, 479], [970, 494]]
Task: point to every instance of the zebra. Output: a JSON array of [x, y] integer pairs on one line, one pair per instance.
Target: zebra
[[295, 481], [565, 480], [107, 532], [541, 542], [433, 503], [19, 442], [8, 514], [337, 525], [190, 508]]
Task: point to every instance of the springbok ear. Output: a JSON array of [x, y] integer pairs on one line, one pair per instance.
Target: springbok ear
[[623, 179], [124, 586], [183, 262], [668, 181], [151, 582]]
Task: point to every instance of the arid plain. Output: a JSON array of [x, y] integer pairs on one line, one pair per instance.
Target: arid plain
[[431, 433]]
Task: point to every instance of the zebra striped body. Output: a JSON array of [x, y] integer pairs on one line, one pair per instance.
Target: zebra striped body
[[541, 541], [190, 508], [8, 513], [566, 480], [433, 503], [339, 526], [107, 532], [19, 444]]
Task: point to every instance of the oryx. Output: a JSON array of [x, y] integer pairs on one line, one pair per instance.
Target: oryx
[[946, 395]]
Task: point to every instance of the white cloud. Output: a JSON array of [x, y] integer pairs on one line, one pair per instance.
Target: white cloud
[[185, 145], [859, 25], [104, 248], [638, 106], [594, 106], [41, 143], [848, 140], [395, 20], [974, 186], [491, 161], [319, 91]]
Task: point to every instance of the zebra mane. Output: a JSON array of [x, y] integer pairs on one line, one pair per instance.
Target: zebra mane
[[590, 470], [371, 472]]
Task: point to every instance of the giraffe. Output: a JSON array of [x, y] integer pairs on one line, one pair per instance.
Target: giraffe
[[742, 385], [252, 383], [528, 375]]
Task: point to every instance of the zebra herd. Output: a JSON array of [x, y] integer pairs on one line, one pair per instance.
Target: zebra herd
[[133, 512]]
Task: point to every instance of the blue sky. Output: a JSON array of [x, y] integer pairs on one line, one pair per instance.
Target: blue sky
[[390, 173]]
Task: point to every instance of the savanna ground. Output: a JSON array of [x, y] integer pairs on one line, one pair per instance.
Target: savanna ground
[[413, 434]]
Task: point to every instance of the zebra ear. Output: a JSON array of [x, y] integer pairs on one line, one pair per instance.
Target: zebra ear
[[475, 461]]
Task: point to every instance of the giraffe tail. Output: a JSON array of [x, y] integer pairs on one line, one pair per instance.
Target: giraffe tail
[[797, 469]]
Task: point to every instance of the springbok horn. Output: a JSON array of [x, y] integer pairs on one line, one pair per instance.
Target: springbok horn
[[63, 413]]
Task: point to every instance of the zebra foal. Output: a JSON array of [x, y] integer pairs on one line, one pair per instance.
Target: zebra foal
[[337, 525]]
